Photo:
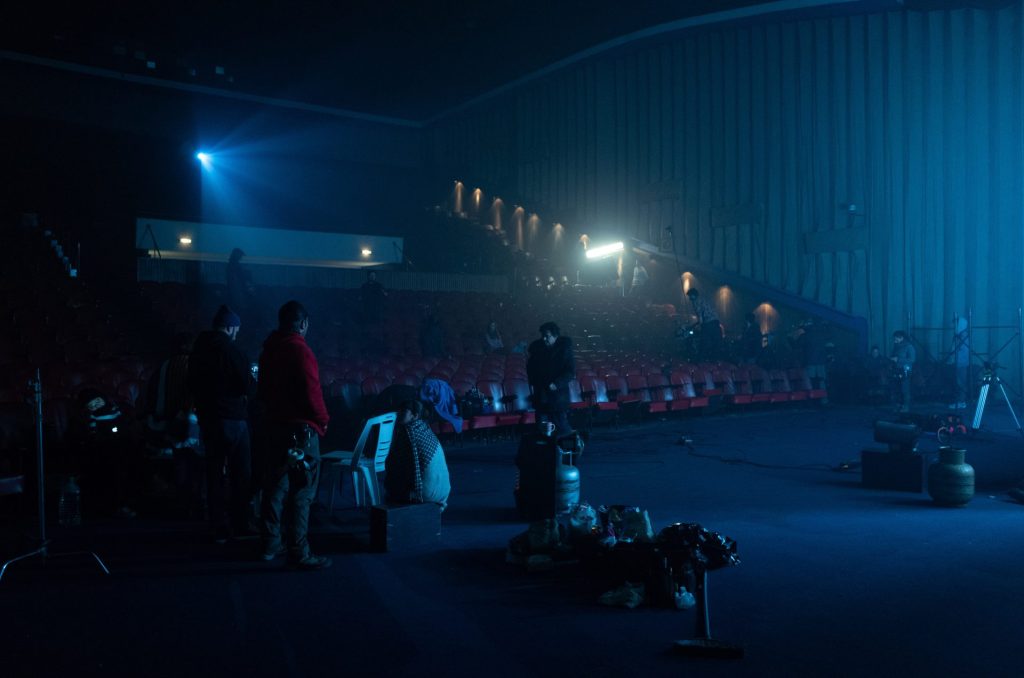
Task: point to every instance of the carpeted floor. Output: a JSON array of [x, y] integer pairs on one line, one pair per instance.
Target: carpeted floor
[[835, 579]]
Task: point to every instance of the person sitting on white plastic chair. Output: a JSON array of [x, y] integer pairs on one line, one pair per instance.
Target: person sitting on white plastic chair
[[416, 469]]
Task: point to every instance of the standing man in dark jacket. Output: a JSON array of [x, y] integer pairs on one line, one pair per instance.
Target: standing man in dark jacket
[[904, 355], [549, 368], [289, 387], [710, 339], [220, 380]]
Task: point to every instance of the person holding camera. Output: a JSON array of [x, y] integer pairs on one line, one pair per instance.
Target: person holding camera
[[296, 417]]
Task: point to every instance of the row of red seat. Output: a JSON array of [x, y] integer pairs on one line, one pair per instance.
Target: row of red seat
[[507, 401]]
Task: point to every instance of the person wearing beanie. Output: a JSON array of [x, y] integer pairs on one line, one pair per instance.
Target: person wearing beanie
[[220, 380]]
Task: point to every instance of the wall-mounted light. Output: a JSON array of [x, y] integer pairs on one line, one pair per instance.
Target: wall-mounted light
[[767, 317], [366, 251], [689, 281], [185, 240]]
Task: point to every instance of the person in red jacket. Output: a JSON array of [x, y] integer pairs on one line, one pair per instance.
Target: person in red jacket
[[289, 386]]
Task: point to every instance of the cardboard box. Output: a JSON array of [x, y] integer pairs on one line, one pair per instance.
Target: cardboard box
[[404, 527]]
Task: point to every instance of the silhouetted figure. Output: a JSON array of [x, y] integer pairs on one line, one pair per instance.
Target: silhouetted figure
[[903, 357], [493, 342], [708, 326], [220, 381], [173, 426], [239, 282], [549, 368], [372, 295], [811, 342], [640, 278], [111, 464], [751, 341]]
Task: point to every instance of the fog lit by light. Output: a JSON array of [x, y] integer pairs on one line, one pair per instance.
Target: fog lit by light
[[605, 250]]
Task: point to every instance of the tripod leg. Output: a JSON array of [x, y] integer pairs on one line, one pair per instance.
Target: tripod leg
[[41, 551], [980, 408], [1009, 406]]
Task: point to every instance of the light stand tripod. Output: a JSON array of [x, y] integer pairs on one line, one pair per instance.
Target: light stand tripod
[[406, 263], [988, 378], [152, 236], [43, 550]]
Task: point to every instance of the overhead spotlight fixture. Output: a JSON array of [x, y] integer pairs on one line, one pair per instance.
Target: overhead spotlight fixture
[[605, 250], [366, 251], [185, 240], [205, 159]]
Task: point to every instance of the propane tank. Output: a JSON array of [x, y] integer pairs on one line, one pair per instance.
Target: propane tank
[[567, 487]]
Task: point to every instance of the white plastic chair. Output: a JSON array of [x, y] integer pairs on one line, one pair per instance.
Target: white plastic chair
[[364, 467]]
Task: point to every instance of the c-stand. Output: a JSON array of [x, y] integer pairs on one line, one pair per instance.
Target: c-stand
[[43, 550], [988, 378]]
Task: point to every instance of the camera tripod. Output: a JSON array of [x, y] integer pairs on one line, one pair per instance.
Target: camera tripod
[[988, 379]]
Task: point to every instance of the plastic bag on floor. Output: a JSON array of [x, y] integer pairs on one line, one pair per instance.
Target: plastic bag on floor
[[627, 523], [583, 522], [628, 595], [710, 550], [540, 537]]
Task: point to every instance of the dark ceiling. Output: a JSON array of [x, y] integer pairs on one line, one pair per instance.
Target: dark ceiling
[[404, 59]]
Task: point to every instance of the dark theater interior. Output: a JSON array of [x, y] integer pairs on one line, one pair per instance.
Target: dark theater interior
[[570, 338]]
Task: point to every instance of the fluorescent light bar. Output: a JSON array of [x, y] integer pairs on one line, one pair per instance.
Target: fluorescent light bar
[[604, 250]]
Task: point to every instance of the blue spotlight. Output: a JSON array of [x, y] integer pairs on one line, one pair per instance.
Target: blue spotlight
[[205, 158]]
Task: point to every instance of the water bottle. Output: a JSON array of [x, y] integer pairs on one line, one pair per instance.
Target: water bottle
[[69, 509]]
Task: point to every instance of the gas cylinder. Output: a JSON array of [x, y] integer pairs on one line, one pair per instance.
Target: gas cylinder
[[567, 486]]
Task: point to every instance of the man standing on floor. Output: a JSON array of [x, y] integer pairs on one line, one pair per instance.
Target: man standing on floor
[[549, 368], [219, 378], [903, 357], [710, 338], [289, 387]]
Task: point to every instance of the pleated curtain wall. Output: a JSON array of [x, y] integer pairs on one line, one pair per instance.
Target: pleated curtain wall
[[753, 140]]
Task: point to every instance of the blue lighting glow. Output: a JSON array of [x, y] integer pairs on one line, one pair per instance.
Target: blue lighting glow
[[205, 158]]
